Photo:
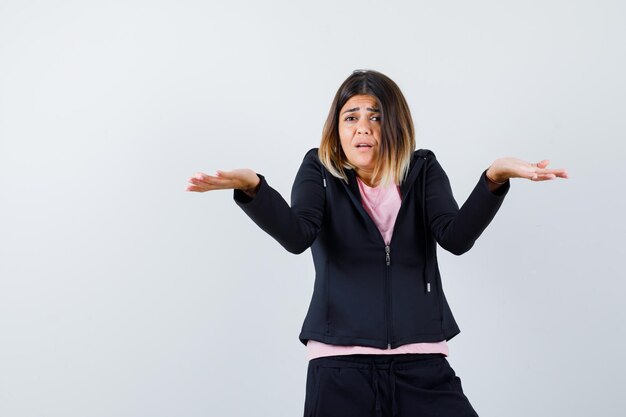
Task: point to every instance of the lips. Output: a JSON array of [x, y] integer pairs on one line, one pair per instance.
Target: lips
[[364, 145]]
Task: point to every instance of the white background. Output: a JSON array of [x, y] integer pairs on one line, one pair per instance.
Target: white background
[[121, 294]]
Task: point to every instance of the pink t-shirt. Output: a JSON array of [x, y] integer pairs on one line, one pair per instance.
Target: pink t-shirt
[[382, 204]]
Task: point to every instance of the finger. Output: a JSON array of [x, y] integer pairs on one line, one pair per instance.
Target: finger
[[202, 178], [197, 180], [213, 183], [199, 177], [537, 176], [226, 174], [222, 184], [195, 188], [555, 171], [543, 177]]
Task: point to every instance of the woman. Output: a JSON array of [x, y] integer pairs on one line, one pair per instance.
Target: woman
[[373, 209]]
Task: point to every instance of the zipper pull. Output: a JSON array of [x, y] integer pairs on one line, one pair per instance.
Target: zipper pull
[[387, 256]]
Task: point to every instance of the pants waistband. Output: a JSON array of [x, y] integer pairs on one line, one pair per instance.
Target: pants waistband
[[363, 361]]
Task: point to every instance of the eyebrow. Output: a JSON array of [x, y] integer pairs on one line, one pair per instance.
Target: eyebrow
[[374, 109]]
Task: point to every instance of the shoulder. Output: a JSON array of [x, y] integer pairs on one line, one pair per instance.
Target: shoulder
[[311, 152], [431, 164], [312, 157], [311, 162], [424, 153]]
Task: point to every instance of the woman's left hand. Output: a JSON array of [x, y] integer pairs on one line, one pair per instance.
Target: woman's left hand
[[504, 168]]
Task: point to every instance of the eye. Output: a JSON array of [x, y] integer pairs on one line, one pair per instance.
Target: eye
[[349, 118], [376, 118]]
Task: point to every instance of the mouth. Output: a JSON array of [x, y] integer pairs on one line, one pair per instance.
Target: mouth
[[364, 148]]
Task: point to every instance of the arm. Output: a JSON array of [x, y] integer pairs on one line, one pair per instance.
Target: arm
[[295, 227], [456, 229]]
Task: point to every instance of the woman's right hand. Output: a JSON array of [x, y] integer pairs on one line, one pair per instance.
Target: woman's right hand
[[245, 180]]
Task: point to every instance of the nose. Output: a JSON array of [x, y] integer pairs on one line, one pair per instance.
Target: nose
[[363, 127]]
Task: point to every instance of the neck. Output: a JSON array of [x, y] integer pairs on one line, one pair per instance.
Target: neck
[[365, 176]]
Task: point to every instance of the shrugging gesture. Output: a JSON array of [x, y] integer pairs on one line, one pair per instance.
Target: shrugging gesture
[[499, 172], [373, 208]]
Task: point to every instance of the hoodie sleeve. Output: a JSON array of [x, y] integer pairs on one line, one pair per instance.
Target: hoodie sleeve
[[295, 227], [456, 229]]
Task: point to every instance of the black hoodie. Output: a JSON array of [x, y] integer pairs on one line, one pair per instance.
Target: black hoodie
[[366, 292]]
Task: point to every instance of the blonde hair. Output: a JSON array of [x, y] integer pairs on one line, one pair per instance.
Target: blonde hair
[[397, 141]]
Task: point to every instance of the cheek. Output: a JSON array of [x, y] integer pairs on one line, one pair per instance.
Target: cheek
[[344, 137], [345, 147]]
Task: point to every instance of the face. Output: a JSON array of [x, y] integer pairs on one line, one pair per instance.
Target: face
[[359, 132]]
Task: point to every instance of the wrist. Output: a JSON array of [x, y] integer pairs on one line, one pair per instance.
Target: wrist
[[494, 178], [253, 188]]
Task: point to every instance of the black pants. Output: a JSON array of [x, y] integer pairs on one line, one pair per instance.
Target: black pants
[[399, 385]]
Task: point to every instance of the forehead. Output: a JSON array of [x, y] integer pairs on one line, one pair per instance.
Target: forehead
[[362, 101]]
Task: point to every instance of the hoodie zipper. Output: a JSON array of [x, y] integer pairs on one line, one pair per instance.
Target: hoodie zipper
[[388, 261], [388, 293], [388, 265]]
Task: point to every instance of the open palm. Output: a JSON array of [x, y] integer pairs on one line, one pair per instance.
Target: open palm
[[509, 167], [241, 179]]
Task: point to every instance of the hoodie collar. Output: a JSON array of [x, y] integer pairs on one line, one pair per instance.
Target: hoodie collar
[[415, 167]]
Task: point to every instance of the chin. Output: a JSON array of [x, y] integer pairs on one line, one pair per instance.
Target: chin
[[365, 160], [363, 164], [362, 161]]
